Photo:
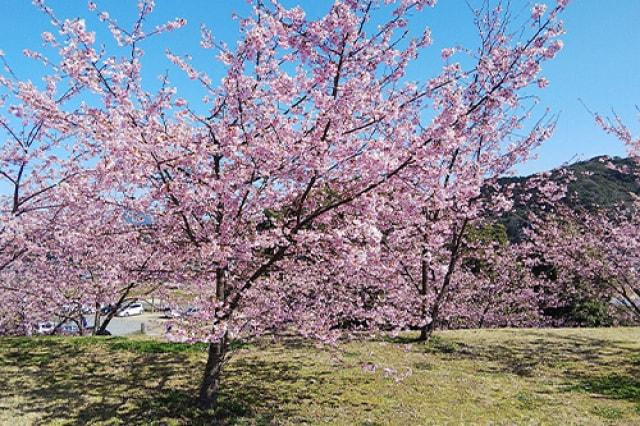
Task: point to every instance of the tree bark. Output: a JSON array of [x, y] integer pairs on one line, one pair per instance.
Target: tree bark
[[102, 330], [210, 384], [484, 314], [103, 327], [427, 331], [435, 312], [96, 319], [78, 322], [424, 271]]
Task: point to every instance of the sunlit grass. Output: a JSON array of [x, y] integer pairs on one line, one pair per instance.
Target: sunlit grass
[[587, 376]]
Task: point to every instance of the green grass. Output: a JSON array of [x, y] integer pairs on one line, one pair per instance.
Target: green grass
[[611, 413], [152, 346], [579, 376]]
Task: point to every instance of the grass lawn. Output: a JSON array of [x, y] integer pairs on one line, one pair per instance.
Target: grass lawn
[[565, 376]]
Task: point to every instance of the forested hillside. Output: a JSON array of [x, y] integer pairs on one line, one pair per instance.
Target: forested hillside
[[593, 184]]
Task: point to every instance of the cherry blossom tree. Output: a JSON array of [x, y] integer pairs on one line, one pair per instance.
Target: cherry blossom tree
[[496, 286], [597, 252], [313, 148], [33, 165], [617, 127], [434, 202], [587, 258], [56, 236], [594, 256]]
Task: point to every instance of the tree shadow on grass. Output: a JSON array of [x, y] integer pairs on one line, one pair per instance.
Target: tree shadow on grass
[[530, 348], [609, 368], [614, 386], [129, 381], [141, 382], [265, 390], [62, 379]]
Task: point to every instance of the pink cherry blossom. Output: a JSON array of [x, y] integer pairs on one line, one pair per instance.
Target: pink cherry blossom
[[320, 192], [538, 10]]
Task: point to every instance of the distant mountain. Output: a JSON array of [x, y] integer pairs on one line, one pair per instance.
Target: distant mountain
[[599, 183]]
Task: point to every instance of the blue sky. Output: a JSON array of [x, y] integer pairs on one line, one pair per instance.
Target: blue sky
[[600, 63]]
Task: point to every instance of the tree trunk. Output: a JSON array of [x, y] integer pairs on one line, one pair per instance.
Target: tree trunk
[[79, 323], [96, 319], [211, 379], [427, 330], [435, 312], [103, 327], [484, 314], [102, 330], [217, 350], [424, 271]]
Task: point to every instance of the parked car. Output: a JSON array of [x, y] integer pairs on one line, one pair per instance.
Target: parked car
[[171, 313], [190, 311], [132, 309], [88, 309], [69, 328], [45, 327], [106, 309]]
